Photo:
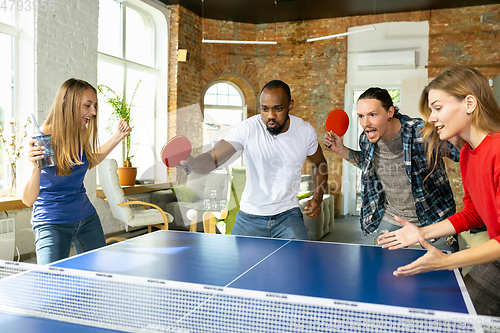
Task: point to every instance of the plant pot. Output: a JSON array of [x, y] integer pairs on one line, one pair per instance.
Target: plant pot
[[127, 175]]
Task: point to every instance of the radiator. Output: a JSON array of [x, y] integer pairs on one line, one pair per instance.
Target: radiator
[[7, 239], [144, 197]]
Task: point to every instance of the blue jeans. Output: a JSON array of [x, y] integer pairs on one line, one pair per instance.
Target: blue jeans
[[439, 243], [288, 224], [53, 241]]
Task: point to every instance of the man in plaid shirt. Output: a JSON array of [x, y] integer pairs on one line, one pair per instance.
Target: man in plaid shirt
[[396, 181]]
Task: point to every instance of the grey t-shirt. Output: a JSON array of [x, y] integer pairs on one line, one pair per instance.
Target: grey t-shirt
[[388, 161]]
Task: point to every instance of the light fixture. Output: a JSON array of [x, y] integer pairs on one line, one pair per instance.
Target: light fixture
[[228, 41], [339, 35], [182, 55]]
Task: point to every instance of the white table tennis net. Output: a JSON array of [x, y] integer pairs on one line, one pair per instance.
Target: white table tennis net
[[134, 304]]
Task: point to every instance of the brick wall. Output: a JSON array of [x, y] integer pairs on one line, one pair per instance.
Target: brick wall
[[316, 72], [464, 36], [184, 108]]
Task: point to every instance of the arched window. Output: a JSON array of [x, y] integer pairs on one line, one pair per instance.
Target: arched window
[[224, 106]]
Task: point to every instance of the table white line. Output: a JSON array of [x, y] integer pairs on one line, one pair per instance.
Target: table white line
[[238, 277]]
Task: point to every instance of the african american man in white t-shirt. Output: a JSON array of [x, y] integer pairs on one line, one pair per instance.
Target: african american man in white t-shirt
[[275, 146]]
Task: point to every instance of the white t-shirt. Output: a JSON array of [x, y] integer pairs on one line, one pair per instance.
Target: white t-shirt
[[273, 163]]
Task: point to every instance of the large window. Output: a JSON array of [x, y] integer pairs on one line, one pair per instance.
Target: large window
[[8, 35], [224, 106], [127, 55]]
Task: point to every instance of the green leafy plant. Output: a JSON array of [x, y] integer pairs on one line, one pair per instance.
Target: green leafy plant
[[121, 110]]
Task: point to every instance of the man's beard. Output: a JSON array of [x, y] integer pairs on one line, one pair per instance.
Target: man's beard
[[276, 130]]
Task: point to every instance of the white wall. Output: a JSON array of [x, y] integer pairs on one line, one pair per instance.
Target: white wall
[[391, 36], [410, 95]]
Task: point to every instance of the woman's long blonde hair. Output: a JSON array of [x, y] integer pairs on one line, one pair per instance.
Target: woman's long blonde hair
[[65, 124], [460, 81]]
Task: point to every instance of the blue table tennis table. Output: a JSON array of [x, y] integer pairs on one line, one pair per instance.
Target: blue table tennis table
[[223, 283]]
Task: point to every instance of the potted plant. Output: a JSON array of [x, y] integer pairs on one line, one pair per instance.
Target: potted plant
[[121, 109]]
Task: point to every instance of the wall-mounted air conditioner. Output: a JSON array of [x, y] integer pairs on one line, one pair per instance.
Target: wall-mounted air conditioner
[[387, 60]]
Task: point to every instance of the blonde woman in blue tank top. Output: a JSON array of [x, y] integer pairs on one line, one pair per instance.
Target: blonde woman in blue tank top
[[62, 212]]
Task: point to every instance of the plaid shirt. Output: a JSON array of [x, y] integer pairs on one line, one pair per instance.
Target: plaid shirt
[[433, 201]]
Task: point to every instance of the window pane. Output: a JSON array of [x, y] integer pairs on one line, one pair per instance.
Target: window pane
[[5, 59], [223, 117], [6, 111], [211, 99], [395, 95], [222, 88], [212, 90], [6, 116], [235, 100], [139, 38], [143, 148], [356, 94], [3, 156], [145, 94], [111, 75], [109, 35], [222, 100], [142, 120]]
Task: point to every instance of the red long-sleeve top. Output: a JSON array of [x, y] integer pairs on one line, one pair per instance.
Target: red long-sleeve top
[[480, 170]]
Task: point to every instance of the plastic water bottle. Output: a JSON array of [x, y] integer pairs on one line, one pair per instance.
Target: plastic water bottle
[[213, 199]]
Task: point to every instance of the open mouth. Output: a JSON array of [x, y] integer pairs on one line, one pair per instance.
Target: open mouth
[[439, 128], [86, 120], [371, 133]]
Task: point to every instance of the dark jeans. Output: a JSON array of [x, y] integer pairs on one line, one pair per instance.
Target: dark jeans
[[288, 224]]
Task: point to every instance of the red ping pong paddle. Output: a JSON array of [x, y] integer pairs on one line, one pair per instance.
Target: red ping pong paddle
[[337, 121], [174, 151]]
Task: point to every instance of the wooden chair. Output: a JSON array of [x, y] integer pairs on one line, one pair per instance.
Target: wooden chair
[[120, 205]]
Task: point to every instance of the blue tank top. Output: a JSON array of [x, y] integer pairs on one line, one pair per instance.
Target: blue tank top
[[62, 199]]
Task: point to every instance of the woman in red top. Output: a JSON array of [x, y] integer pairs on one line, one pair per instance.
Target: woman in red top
[[459, 103]]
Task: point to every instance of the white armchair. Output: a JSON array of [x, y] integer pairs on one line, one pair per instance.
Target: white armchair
[[317, 228], [120, 206]]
